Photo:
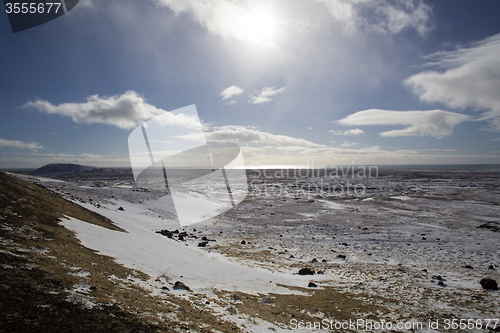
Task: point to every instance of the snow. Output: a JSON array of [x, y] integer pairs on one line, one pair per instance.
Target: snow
[[402, 197], [142, 249]]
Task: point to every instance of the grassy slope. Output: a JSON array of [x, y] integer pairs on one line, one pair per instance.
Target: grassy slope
[[38, 262]]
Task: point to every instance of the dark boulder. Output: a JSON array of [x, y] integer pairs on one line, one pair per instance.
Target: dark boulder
[[488, 283], [181, 286], [306, 271], [312, 285]]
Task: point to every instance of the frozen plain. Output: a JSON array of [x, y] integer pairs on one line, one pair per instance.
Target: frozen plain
[[420, 239]]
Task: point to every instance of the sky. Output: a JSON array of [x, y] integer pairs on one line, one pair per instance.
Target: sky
[[292, 82]]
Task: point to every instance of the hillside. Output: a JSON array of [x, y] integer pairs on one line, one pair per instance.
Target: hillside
[[51, 283]]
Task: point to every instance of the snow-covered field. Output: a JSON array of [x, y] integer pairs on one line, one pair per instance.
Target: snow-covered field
[[420, 240]]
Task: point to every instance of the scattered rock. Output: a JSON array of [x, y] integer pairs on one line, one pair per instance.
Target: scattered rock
[[345, 244], [488, 283], [312, 285], [291, 256], [438, 277], [320, 273], [493, 226], [306, 271], [341, 256], [121, 208], [202, 244], [164, 288], [324, 260], [491, 267], [468, 267], [181, 286], [204, 238], [441, 283], [424, 270], [243, 242], [314, 261], [165, 232]]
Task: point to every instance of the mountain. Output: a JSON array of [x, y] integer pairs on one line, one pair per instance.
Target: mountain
[[58, 169]]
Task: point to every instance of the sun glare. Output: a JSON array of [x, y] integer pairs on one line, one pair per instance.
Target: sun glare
[[258, 26]]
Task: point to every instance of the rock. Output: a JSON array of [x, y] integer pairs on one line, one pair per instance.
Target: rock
[[441, 283], [491, 267], [291, 256], [306, 271], [181, 286], [324, 260], [493, 226], [312, 285], [424, 270], [202, 244], [164, 288], [165, 232], [121, 208], [204, 238], [314, 261], [243, 242], [468, 267], [438, 277], [341, 256], [181, 238], [488, 283]]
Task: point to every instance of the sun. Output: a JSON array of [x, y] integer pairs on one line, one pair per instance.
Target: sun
[[259, 26]]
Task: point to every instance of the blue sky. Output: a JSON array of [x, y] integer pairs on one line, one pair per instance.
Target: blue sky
[[323, 82]]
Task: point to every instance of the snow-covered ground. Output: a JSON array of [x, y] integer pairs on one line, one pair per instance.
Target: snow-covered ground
[[423, 243]]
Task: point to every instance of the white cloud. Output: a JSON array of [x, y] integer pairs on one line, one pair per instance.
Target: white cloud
[[347, 144], [356, 131], [247, 135], [265, 95], [435, 123], [380, 15], [19, 144], [124, 111], [230, 92], [471, 78]]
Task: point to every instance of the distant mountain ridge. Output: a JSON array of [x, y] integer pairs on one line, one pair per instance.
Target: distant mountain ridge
[[59, 169]]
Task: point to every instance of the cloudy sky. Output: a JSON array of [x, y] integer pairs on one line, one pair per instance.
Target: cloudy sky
[[293, 82]]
